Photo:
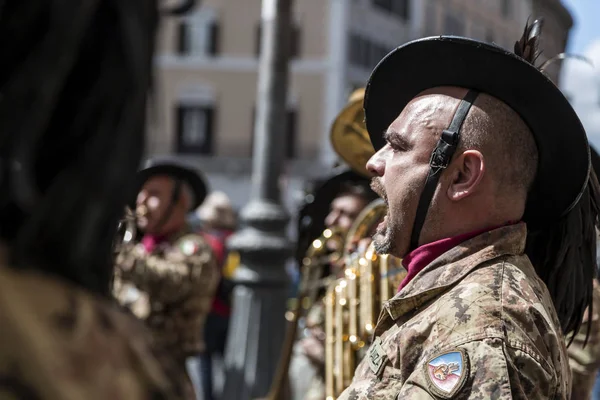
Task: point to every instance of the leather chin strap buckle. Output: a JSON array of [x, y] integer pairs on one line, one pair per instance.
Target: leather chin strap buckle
[[444, 150], [440, 159]]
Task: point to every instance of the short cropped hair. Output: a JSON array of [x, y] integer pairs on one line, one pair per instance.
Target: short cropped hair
[[496, 130]]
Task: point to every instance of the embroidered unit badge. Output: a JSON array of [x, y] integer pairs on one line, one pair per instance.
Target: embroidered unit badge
[[447, 373], [188, 245]]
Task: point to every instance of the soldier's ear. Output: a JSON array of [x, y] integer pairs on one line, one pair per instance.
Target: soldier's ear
[[466, 172]]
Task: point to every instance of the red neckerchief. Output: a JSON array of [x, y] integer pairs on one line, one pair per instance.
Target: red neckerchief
[[150, 242], [422, 256]]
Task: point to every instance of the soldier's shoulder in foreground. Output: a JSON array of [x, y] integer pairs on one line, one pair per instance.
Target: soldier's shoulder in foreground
[[59, 342], [494, 334], [503, 317], [501, 296]]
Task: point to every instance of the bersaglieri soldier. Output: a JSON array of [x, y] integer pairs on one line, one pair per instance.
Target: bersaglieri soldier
[[485, 169]]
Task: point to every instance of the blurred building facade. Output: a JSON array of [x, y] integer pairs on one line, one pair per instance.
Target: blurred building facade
[[207, 62]]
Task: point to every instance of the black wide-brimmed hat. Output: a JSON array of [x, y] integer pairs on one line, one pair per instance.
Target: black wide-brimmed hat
[[176, 170], [562, 206], [564, 159]]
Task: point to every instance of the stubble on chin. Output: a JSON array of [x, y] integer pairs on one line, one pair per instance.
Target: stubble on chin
[[382, 242]]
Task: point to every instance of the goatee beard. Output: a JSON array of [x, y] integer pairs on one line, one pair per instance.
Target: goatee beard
[[382, 243]]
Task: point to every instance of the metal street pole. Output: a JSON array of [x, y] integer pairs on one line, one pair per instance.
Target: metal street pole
[[257, 327]]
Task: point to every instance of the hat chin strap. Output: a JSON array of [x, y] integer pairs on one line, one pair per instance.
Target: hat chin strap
[[440, 159], [175, 195]]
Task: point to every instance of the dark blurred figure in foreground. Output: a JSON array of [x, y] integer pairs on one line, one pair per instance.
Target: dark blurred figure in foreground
[[74, 81]]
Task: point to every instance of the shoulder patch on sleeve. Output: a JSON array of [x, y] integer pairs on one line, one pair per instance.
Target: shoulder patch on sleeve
[[446, 373], [191, 244]]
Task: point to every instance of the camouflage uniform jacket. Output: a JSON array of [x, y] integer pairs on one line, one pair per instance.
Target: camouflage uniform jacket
[[58, 342], [180, 279], [476, 323], [585, 360]]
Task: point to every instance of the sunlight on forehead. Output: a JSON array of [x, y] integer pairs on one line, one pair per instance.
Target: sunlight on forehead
[[427, 113]]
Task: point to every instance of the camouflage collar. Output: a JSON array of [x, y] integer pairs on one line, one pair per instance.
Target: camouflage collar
[[455, 264], [170, 239]]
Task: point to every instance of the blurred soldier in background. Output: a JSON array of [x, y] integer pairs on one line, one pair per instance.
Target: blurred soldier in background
[[334, 207], [174, 267], [218, 222], [308, 361]]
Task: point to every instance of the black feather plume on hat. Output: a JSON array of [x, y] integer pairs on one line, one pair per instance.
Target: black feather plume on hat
[[564, 254], [528, 47]]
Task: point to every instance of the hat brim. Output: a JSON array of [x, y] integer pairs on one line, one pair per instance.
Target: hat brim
[[190, 177], [350, 139], [563, 151]]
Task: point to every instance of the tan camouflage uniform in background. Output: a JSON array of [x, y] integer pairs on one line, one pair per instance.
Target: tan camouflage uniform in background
[[58, 342], [585, 361], [308, 361], [476, 323], [178, 281]]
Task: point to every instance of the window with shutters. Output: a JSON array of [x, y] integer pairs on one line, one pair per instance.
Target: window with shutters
[[194, 129], [291, 129], [198, 36]]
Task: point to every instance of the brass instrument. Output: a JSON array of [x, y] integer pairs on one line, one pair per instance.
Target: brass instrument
[[349, 137], [124, 292], [126, 229], [312, 280], [316, 258], [353, 303]]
